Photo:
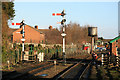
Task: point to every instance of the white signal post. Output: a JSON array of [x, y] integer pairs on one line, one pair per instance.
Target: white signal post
[[63, 35], [23, 40]]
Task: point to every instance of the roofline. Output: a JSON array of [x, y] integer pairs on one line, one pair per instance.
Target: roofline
[[32, 28], [114, 39]]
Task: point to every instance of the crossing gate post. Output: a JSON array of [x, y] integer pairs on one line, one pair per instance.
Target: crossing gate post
[[102, 59], [117, 60], [109, 57]]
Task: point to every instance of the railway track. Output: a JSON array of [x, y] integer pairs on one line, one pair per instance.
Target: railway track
[[77, 71], [27, 73]]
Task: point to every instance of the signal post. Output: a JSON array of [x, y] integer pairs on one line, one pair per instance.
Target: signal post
[[23, 39], [63, 33]]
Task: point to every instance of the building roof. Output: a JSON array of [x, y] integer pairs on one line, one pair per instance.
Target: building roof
[[51, 35], [42, 31], [36, 29], [115, 39], [11, 30]]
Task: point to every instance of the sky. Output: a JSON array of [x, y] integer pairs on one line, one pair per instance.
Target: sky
[[103, 15]]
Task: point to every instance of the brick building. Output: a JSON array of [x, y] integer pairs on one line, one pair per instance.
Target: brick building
[[32, 35], [115, 45]]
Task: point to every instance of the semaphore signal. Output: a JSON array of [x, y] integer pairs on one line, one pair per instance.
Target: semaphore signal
[[22, 32], [57, 14], [16, 23], [63, 33]]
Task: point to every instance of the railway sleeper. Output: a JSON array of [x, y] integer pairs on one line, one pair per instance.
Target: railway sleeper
[[15, 74], [30, 74]]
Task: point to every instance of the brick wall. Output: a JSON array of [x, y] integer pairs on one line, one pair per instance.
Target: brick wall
[[114, 47], [31, 35], [17, 36], [118, 43]]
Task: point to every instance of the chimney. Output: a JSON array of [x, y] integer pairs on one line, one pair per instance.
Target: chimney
[[36, 27], [50, 27]]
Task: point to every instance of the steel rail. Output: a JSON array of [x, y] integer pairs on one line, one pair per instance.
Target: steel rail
[[74, 65], [81, 76]]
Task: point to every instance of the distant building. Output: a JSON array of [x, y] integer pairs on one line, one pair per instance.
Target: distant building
[[102, 42], [115, 45], [52, 35], [32, 35], [99, 42]]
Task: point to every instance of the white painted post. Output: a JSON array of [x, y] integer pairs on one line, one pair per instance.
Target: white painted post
[[23, 38], [117, 59], [55, 65], [55, 62], [23, 47], [92, 45], [42, 56], [102, 58], [39, 57], [63, 35], [8, 64], [64, 44], [109, 57]]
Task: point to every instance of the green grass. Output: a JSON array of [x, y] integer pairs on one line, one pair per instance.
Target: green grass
[[113, 71]]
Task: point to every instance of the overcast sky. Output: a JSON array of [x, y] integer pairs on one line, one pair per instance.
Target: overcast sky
[[103, 15]]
